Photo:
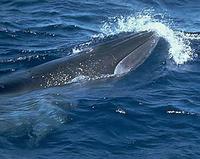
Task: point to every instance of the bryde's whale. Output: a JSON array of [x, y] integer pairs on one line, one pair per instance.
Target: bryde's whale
[[117, 56]]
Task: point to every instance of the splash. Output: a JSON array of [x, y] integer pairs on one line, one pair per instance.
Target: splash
[[179, 45]]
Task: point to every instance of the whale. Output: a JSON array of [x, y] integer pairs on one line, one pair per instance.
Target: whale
[[116, 56]]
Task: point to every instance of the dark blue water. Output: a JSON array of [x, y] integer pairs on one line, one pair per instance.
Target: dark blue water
[[150, 113]]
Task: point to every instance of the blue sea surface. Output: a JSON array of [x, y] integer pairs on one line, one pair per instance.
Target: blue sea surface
[[150, 113]]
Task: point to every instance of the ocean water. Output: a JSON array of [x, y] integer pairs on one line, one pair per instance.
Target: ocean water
[[150, 113]]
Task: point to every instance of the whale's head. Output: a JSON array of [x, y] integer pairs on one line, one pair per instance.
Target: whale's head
[[127, 52]]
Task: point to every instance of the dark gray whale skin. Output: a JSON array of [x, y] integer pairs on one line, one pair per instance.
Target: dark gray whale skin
[[117, 56]]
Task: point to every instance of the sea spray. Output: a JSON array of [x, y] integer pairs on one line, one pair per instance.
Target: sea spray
[[180, 50]]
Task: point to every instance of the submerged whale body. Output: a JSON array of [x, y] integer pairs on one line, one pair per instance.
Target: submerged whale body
[[117, 56]]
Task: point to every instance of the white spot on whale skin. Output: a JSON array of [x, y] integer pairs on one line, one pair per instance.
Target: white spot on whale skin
[[124, 66], [120, 69]]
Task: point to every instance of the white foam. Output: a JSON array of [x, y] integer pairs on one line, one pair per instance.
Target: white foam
[[192, 36], [180, 50], [76, 50], [82, 47]]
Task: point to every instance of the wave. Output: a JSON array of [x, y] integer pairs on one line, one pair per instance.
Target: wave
[[180, 49]]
